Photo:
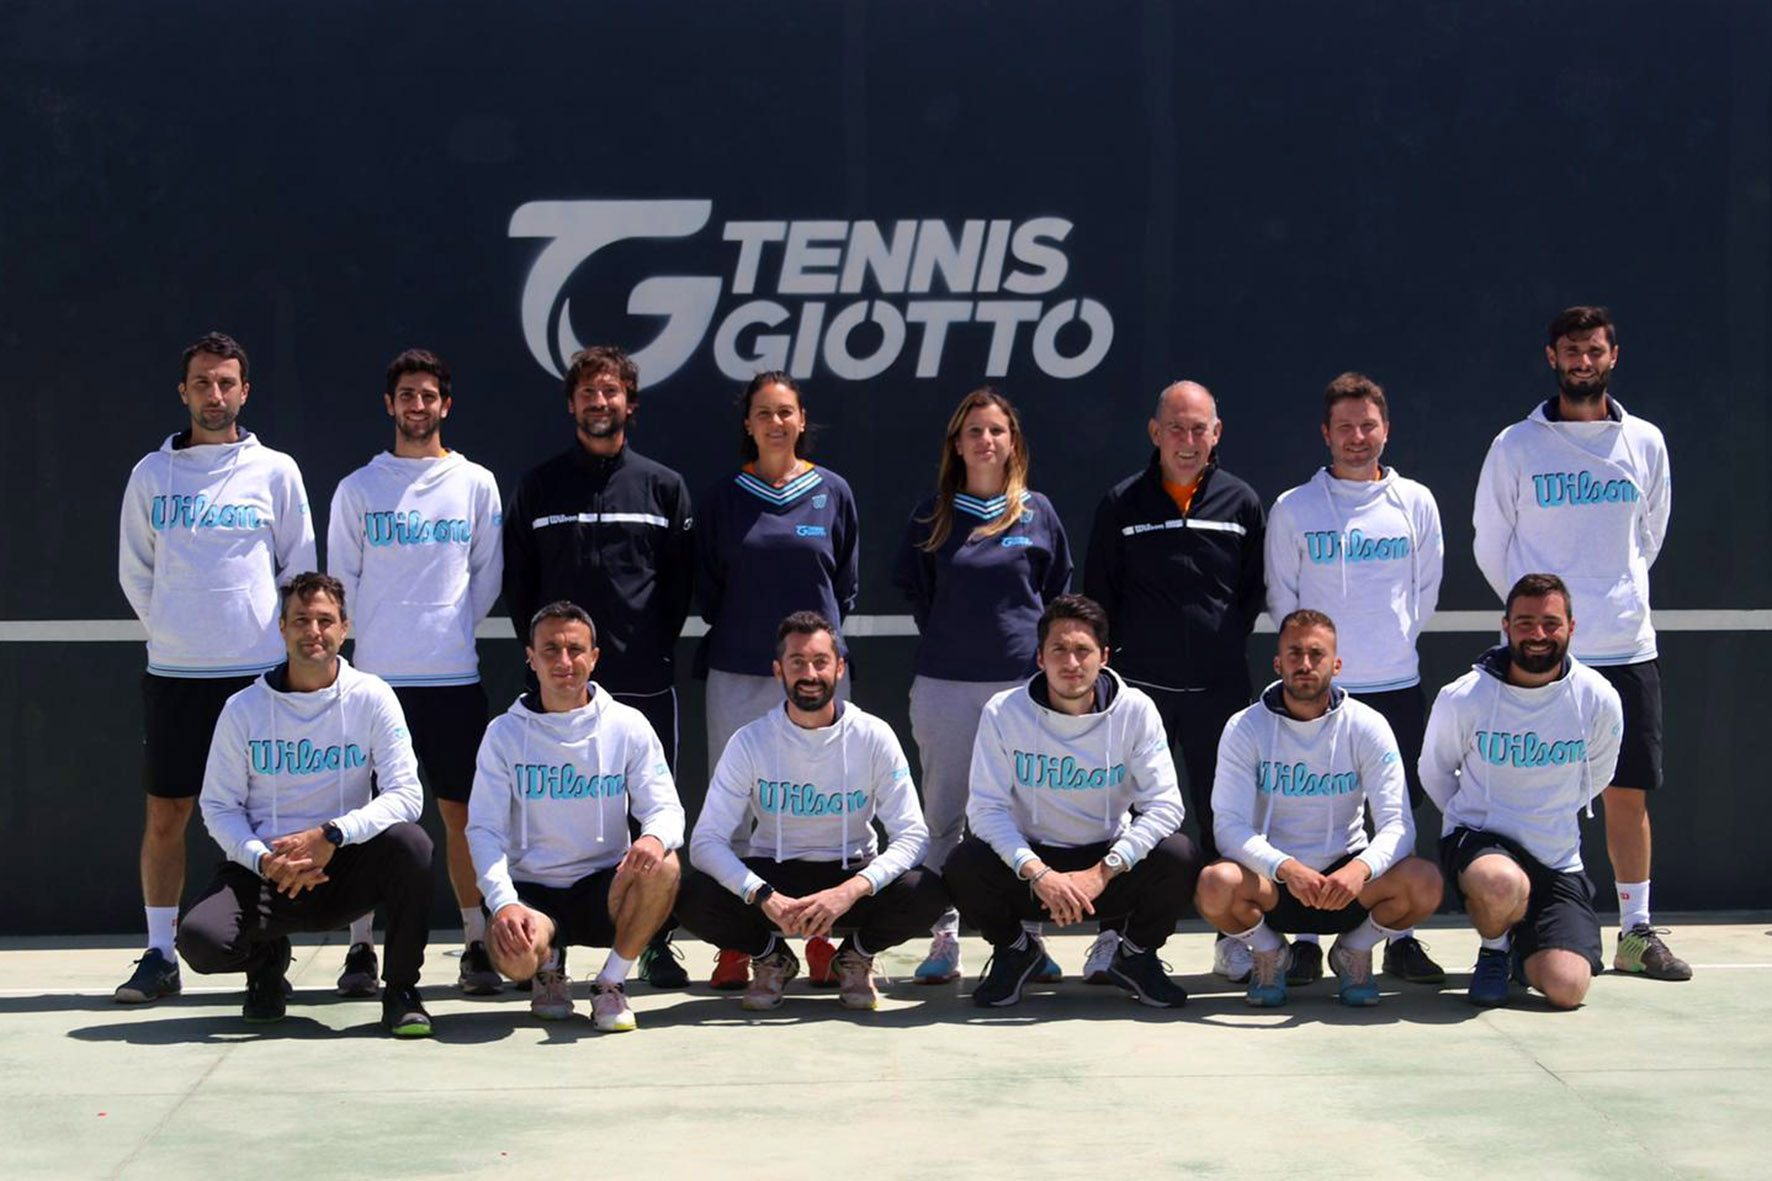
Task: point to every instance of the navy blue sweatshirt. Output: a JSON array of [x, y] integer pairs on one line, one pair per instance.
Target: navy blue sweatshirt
[[763, 553], [612, 534], [977, 602], [1182, 590]]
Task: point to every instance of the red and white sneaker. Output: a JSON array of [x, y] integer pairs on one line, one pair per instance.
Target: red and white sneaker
[[820, 971], [732, 971]]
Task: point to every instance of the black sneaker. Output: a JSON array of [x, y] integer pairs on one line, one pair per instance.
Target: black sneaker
[[1407, 957], [1008, 969], [1304, 964], [477, 976], [661, 964], [403, 1013], [154, 977], [266, 989], [1147, 978], [362, 973]]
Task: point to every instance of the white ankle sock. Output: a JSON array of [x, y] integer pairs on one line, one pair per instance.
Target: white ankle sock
[[1633, 904], [615, 969], [1501, 942], [1260, 937], [1366, 936], [473, 925], [1404, 933], [1305, 936], [162, 926], [363, 929], [947, 924]]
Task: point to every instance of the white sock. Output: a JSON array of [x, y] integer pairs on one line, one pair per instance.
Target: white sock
[[1366, 936], [162, 924], [1306, 937], [1401, 933], [864, 953], [363, 929], [473, 925], [1036, 929], [947, 924], [615, 969], [1501, 942], [553, 962], [1260, 937], [1633, 904]]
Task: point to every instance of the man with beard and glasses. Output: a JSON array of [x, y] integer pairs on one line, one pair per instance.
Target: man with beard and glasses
[[1297, 772], [414, 538], [210, 522], [606, 528], [806, 783], [1515, 750], [1582, 488]]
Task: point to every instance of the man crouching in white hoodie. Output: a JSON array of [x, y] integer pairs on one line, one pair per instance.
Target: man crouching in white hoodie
[[811, 777], [1515, 750], [557, 776], [1058, 768], [1296, 772], [287, 794]]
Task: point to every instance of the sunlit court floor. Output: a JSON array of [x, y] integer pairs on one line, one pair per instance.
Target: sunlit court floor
[[1648, 1079]]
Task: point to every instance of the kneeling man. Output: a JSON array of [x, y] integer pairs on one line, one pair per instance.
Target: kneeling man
[[311, 790], [807, 781], [1059, 767], [1296, 773], [1515, 749], [557, 776]]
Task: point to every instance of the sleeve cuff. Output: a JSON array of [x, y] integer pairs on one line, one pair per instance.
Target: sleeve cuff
[[502, 895], [752, 883], [872, 877], [1127, 853], [252, 852], [1021, 858]]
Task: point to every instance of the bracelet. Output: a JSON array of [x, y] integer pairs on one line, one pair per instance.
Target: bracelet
[[1044, 870]]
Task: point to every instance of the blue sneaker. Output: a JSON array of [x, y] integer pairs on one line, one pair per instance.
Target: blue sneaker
[[1489, 978], [942, 964], [1267, 979], [1048, 972], [154, 977], [1353, 969]]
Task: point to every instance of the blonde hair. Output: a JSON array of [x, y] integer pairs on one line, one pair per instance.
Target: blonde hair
[[952, 475]]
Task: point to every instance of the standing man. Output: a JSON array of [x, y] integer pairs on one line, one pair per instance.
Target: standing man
[[1175, 560], [1074, 813], [1515, 749], [312, 792], [1361, 543], [1582, 488], [812, 776], [559, 775], [1297, 772], [604, 527], [209, 522], [414, 538]]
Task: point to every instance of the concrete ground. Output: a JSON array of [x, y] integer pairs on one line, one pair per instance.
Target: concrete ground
[[1649, 1079]]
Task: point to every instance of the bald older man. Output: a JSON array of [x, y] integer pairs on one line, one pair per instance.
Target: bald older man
[[1175, 557]]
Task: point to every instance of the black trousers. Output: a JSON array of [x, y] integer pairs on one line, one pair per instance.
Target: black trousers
[[239, 911], [906, 908], [1149, 898], [1194, 720]]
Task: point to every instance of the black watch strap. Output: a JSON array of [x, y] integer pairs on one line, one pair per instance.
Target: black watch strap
[[764, 891], [335, 836]]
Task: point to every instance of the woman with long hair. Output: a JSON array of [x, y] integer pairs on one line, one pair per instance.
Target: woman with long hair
[[779, 536], [979, 562]]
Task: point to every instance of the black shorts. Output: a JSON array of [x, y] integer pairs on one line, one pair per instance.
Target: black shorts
[[580, 911], [1292, 917], [447, 723], [178, 723], [1406, 711], [1639, 750], [1559, 912]]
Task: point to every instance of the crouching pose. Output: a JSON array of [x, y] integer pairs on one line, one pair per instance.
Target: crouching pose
[[1296, 772], [1515, 749], [287, 795], [806, 782], [558, 774], [1057, 765]]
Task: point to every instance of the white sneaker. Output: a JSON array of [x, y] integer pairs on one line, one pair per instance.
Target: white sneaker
[[1100, 958], [1231, 959], [550, 995], [609, 1009]]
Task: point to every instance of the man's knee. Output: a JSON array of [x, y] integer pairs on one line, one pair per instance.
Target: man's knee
[[167, 817], [1217, 889], [409, 845], [204, 946], [1423, 887], [970, 862], [925, 896], [1562, 976], [1496, 882], [1625, 803]]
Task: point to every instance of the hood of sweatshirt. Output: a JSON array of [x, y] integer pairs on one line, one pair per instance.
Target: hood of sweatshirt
[[421, 471]]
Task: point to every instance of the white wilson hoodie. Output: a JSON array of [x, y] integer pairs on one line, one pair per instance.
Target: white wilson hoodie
[[813, 796], [1040, 774], [1287, 788], [1522, 762], [285, 762], [1368, 554], [206, 533], [1589, 502], [417, 544], [552, 793]]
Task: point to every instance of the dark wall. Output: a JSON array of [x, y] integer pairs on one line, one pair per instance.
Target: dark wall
[[1259, 196]]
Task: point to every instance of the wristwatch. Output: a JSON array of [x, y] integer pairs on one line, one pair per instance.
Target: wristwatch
[[1115, 864], [764, 891], [335, 836]]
